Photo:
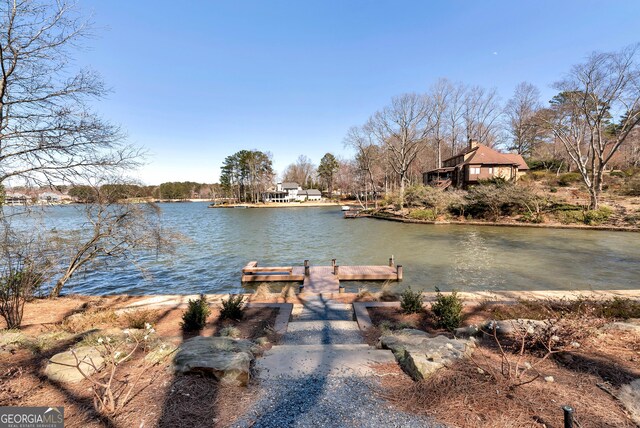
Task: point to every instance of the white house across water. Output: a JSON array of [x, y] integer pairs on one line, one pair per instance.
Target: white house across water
[[291, 192]]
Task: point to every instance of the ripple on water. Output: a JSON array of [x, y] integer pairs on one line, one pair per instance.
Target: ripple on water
[[220, 241]]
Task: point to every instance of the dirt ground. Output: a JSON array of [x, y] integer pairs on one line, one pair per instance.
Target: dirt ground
[[475, 393], [159, 397]]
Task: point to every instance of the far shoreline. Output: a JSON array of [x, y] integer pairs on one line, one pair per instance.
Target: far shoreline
[[281, 205]]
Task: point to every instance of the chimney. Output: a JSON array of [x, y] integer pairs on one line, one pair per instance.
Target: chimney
[[473, 143]]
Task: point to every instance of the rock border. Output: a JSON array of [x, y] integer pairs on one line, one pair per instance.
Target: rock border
[[284, 314], [362, 314]]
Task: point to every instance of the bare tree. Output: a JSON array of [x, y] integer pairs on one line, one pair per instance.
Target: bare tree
[[301, 172], [481, 113], [440, 94], [522, 119], [632, 149], [48, 133], [368, 159], [345, 177], [112, 230], [455, 116], [402, 128], [597, 109]]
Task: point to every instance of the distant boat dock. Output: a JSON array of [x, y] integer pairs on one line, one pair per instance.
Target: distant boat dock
[[321, 279]]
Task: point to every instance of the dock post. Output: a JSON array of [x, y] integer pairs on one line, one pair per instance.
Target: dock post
[[306, 268], [399, 272], [333, 262], [391, 261], [336, 269], [341, 288]]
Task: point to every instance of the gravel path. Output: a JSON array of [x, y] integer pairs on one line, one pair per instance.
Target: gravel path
[[322, 332], [325, 402], [322, 398]]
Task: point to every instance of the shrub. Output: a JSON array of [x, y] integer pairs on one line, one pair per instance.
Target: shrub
[[17, 285], [569, 217], [457, 203], [447, 310], [568, 178], [594, 217], [415, 196], [497, 198], [111, 395], [620, 174], [140, 318], [195, 317], [632, 219], [288, 292], [632, 187], [391, 200], [568, 214], [438, 201], [386, 294], [544, 165], [567, 207], [92, 318], [411, 301], [619, 308], [263, 292], [485, 201], [233, 307], [422, 214], [538, 175], [230, 332]]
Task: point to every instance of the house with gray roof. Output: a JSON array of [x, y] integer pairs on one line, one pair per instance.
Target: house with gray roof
[[291, 192], [309, 195]]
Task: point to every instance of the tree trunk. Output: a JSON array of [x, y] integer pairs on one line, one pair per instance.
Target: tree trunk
[[55, 292], [401, 191], [595, 190]]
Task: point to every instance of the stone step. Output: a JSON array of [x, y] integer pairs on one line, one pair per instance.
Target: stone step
[[297, 361], [330, 316], [322, 332], [324, 311], [339, 346]]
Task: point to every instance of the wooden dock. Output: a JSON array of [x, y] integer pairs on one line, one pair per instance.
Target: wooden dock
[[321, 279]]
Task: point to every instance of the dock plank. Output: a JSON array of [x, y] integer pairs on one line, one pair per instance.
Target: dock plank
[[268, 269], [321, 280], [272, 278], [367, 273]]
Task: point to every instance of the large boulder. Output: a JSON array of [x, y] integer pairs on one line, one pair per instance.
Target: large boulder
[[421, 355], [631, 325], [629, 396], [62, 367], [516, 326], [12, 339], [227, 359]]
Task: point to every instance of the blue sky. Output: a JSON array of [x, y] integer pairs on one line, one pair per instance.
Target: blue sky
[[195, 81]]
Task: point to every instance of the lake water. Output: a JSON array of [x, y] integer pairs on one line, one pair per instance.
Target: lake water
[[222, 241]]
